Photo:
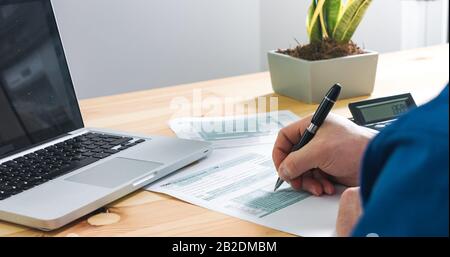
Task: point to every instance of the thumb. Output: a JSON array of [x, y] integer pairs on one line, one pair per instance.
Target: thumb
[[287, 138], [299, 162]]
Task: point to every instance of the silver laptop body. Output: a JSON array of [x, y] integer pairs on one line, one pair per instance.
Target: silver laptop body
[[39, 111]]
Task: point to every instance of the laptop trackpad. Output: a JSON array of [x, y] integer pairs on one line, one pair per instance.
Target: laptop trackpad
[[114, 173]]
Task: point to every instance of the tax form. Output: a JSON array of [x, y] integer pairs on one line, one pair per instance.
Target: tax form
[[239, 182], [234, 131]]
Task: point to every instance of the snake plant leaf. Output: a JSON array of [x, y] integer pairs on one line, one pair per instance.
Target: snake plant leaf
[[331, 12], [313, 21], [350, 19], [313, 30], [323, 24]]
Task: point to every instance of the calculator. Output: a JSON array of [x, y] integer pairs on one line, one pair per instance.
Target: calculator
[[381, 112]]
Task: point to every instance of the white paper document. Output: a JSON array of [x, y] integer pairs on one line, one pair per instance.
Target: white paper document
[[240, 183], [234, 131]]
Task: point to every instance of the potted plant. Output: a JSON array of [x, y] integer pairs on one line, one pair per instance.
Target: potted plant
[[306, 72]]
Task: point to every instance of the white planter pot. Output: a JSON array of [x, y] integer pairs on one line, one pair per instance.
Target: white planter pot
[[308, 81]]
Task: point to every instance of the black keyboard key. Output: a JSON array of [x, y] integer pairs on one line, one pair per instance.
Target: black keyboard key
[[88, 154], [4, 194], [43, 151], [83, 139], [100, 143], [139, 141], [11, 164], [76, 158], [20, 159], [52, 174], [101, 155], [24, 185], [111, 151], [121, 141], [107, 146], [109, 140], [90, 134], [110, 137]]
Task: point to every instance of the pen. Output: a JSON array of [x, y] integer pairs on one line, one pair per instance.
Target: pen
[[317, 120]]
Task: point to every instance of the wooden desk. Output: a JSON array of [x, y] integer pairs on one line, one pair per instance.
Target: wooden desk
[[423, 72]]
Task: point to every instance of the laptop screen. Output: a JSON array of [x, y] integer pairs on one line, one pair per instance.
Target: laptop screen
[[37, 100]]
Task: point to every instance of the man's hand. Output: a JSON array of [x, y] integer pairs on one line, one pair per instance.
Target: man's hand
[[350, 211], [333, 155]]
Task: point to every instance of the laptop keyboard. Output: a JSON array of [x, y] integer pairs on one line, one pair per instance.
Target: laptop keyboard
[[49, 163]]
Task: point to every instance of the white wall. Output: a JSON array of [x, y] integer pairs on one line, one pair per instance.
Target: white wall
[[282, 23], [116, 46], [424, 23], [380, 29]]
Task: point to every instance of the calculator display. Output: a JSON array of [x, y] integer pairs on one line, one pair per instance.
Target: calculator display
[[375, 112], [381, 112]]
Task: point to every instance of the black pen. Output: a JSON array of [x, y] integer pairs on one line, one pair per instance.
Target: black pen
[[317, 120]]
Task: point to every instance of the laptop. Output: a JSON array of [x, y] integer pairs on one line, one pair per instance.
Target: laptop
[[53, 170]]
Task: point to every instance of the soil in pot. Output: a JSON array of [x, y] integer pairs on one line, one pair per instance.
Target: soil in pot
[[326, 49]]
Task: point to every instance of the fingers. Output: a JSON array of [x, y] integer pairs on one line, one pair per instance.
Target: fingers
[[307, 183], [350, 211], [287, 137], [313, 182], [297, 183], [281, 149], [327, 185], [310, 184], [297, 163]]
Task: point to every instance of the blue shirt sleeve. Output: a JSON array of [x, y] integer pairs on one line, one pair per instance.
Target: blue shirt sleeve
[[404, 184]]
